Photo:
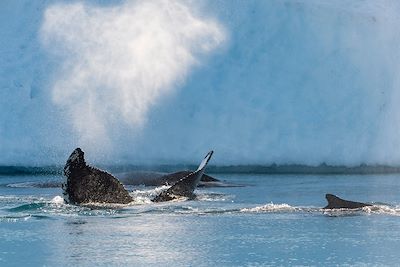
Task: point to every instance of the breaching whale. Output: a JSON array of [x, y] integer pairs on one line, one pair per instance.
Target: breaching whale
[[335, 202], [85, 184]]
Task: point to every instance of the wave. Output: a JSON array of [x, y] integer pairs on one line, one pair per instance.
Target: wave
[[370, 210], [20, 208], [271, 208], [29, 170], [46, 184], [15, 218]]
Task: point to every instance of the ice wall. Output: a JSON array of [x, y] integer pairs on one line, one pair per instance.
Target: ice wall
[[257, 81]]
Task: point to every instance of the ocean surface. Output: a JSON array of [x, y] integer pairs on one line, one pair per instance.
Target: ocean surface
[[271, 220]]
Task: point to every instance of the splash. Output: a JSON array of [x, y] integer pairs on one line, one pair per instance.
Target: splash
[[271, 208], [118, 62]]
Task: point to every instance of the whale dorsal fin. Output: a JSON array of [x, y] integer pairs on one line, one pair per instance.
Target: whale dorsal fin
[[335, 202], [185, 186]]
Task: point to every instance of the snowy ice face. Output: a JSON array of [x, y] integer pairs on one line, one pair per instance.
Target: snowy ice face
[[306, 81]]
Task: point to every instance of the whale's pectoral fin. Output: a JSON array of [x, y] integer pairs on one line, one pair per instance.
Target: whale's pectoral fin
[[335, 202], [185, 186], [204, 162]]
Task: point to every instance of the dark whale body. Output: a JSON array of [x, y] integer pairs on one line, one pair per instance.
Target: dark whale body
[[146, 178], [335, 202], [149, 178], [86, 185], [186, 185]]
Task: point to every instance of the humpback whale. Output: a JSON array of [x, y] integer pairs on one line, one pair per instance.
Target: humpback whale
[[186, 185], [85, 184], [146, 178], [335, 202], [151, 178]]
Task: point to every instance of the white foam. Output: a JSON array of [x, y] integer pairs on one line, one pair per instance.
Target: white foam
[[145, 196], [369, 210], [383, 209], [57, 200], [209, 196], [271, 208]]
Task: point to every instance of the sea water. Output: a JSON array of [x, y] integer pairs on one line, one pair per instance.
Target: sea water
[[271, 220]]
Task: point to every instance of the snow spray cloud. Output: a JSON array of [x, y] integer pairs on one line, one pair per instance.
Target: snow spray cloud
[[117, 62]]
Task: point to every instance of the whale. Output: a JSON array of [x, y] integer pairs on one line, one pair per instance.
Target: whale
[[152, 178], [141, 178], [186, 185], [334, 202], [84, 184]]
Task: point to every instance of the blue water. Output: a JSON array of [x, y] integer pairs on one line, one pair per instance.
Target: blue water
[[273, 220]]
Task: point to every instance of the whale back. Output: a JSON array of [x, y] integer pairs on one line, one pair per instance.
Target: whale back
[[335, 202], [84, 184], [185, 186], [151, 178]]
